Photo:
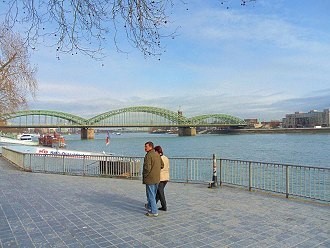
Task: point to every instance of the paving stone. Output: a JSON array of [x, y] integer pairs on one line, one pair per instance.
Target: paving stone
[[49, 210]]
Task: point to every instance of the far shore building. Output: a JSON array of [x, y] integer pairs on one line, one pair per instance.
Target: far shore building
[[251, 123], [313, 118], [254, 123]]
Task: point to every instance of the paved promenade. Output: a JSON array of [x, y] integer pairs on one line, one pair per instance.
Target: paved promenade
[[46, 210]]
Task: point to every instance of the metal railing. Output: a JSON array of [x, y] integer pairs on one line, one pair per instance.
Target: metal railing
[[84, 165], [295, 180]]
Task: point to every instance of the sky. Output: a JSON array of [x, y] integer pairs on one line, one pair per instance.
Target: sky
[[263, 61]]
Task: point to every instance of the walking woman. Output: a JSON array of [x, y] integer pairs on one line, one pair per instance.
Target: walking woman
[[164, 178]]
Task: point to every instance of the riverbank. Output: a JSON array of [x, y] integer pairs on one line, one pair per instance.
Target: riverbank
[[272, 130]]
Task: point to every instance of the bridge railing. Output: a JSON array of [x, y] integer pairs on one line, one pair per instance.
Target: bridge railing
[[289, 180]]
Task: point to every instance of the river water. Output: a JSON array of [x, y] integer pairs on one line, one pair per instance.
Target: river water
[[297, 149]]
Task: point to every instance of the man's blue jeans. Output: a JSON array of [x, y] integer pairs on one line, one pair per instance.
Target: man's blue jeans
[[151, 190]]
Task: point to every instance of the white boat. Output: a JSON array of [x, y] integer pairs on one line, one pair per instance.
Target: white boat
[[60, 152], [27, 137], [52, 151]]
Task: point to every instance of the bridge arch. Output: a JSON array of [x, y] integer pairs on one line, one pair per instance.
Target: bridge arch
[[138, 116], [216, 119], [49, 113], [171, 116]]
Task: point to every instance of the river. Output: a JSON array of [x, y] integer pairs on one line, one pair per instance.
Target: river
[[297, 149]]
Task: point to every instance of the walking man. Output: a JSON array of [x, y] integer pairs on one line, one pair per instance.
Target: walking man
[[151, 177]]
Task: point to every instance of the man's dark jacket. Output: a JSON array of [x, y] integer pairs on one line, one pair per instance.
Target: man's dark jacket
[[152, 165]]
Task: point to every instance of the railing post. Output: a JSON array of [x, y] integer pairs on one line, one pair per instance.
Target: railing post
[[187, 170], [63, 164], [23, 164], [84, 166], [287, 181], [220, 172], [107, 166], [30, 165], [130, 168], [214, 177], [250, 176], [44, 161]]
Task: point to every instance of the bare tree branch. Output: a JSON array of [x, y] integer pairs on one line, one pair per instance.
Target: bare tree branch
[[84, 25], [17, 76]]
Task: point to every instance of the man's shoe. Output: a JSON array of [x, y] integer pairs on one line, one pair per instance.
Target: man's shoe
[[151, 215], [163, 209]]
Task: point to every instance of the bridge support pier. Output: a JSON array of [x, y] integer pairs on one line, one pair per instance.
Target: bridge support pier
[[187, 131], [87, 133]]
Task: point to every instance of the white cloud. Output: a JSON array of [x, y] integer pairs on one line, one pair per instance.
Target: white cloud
[[217, 25]]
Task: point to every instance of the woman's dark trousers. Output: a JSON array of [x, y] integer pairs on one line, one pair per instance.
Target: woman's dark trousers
[[160, 196]]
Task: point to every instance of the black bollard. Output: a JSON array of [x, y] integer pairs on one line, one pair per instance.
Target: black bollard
[[214, 182]]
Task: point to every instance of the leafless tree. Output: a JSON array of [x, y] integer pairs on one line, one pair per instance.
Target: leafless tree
[[17, 76], [84, 25]]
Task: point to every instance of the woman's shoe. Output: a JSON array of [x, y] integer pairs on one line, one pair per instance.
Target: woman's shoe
[[163, 209], [146, 207]]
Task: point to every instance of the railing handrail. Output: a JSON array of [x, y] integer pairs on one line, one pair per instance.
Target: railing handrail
[[192, 158], [274, 163]]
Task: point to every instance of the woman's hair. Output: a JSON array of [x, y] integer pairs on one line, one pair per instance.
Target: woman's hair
[[159, 150]]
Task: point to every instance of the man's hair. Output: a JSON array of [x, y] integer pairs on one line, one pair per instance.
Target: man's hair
[[150, 144]]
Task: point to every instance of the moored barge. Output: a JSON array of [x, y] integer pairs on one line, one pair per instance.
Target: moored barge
[[55, 140]]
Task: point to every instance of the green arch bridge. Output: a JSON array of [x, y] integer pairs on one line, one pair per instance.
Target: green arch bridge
[[139, 116]]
